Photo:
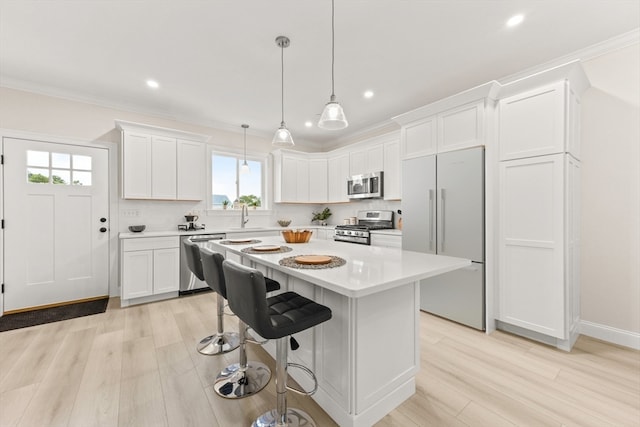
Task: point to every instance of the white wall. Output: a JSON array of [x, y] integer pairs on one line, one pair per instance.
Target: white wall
[[610, 252]]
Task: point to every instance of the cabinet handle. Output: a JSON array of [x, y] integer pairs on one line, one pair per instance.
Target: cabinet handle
[[431, 215], [442, 220]]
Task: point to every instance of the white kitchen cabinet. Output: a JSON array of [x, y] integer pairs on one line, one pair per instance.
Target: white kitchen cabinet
[[338, 173], [539, 207], [299, 177], [322, 233], [386, 240], [150, 269], [454, 123], [163, 168], [419, 138], [540, 121], [392, 171], [191, 174], [136, 165], [318, 180], [366, 160], [159, 163], [538, 245]]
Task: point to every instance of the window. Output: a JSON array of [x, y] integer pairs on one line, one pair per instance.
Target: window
[[230, 188], [44, 167]]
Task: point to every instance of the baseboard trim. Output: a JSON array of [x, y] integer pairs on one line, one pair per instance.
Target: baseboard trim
[[610, 334]]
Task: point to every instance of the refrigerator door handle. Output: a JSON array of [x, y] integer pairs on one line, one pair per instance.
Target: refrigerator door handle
[[432, 214], [441, 220]]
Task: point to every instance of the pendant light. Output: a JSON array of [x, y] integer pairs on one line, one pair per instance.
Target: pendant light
[[282, 138], [244, 169], [333, 117]]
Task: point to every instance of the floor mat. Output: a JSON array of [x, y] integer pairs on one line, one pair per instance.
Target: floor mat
[[52, 314]]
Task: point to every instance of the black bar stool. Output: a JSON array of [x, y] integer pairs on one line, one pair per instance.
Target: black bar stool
[[276, 317], [244, 378], [220, 342]]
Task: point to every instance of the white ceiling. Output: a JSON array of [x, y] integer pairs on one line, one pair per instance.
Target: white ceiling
[[218, 65]]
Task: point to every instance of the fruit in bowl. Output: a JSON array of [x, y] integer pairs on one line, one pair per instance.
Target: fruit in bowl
[[284, 222]]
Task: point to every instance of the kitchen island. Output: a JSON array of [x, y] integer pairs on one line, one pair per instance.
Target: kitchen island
[[366, 357]]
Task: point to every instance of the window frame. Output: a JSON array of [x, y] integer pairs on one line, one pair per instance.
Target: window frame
[[262, 158]]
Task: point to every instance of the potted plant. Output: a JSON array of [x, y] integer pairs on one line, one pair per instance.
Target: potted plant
[[225, 203], [321, 217]]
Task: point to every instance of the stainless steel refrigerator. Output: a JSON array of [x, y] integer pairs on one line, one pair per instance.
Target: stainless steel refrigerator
[[443, 213]]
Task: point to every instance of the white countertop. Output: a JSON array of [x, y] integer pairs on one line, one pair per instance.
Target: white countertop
[[369, 269], [128, 235]]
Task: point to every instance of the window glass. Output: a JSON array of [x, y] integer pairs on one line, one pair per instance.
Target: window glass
[[81, 178], [81, 162], [38, 176], [60, 176], [44, 167], [61, 160], [38, 158], [231, 187]]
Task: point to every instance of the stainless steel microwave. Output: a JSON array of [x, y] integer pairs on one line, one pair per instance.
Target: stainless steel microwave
[[365, 186]]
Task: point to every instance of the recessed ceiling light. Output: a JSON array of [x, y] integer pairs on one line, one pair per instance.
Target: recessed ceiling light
[[368, 94], [515, 20], [308, 124], [153, 84]]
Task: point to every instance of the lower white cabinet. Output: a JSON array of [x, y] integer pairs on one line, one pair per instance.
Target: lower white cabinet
[[386, 240], [538, 247], [149, 267]]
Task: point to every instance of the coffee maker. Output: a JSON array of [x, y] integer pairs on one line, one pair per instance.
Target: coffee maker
[[191, 223]]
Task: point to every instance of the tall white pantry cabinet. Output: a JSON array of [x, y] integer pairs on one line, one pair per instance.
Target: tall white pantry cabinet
[[539, 206]]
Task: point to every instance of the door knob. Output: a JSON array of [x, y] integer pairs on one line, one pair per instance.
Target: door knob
[[103, 229]]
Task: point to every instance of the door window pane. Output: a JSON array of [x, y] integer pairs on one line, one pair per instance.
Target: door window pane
[[59, 176], [60, 160], [81, 178], [38, 158], [38, 176], [82, 162]]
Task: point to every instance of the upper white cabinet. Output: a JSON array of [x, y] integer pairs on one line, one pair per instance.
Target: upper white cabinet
[[366, 160], [337, 175], [539, 122], [299, 178], [453, 123], [160, 163], [191, 174], [392, 171]]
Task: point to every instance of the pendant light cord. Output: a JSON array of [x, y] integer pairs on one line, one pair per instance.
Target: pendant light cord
[[333, 48], [282, 82]]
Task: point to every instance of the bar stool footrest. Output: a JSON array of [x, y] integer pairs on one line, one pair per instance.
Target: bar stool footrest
[[308, 372]]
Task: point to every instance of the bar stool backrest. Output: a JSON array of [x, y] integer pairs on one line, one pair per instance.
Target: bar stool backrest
[[247, 296], [192, 251], [212, 269]]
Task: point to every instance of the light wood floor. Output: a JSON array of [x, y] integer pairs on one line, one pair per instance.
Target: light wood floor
[[138, 367]]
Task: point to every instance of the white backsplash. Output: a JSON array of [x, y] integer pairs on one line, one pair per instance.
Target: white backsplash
[[166, 215]]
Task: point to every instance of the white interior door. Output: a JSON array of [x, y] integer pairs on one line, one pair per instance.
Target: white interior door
[[56, 207]]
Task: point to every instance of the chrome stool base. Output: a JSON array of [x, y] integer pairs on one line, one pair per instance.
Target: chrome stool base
[[219, 343], [295, 418], [232, 383]]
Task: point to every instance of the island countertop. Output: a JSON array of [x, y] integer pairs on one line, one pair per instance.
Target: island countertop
[[368, 269]]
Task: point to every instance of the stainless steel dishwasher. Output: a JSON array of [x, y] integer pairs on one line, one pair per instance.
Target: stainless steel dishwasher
[[188, 282]]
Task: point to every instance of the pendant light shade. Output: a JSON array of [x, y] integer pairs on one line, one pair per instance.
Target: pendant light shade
[[282, 137], [333, 117], [244, 169]]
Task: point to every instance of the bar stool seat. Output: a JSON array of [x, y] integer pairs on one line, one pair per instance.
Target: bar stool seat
[[276, 317], [244, 378]]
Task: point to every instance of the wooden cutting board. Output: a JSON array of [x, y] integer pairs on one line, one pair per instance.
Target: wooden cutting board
[[313, 259]]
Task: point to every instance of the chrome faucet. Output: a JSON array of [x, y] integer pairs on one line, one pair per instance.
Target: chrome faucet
[[244, 217]]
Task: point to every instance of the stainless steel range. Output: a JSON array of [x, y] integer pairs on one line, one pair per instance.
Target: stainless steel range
[[360, 232]]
